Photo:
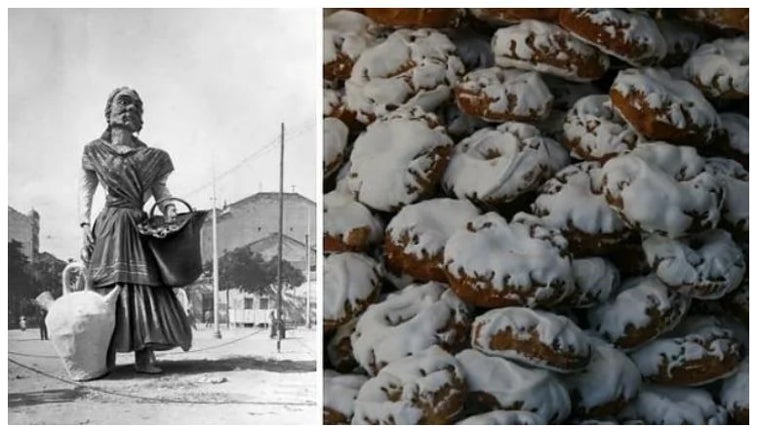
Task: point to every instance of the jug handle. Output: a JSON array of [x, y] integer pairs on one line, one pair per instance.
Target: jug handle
[[66, 274]]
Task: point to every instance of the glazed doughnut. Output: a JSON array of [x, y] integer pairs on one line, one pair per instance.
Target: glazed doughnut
[[630, 36], [349, 225], [643, 309], [697, 352], [595, 280], [504, 418], [416, 18], [339, 394], [608, 383], [707, 265], [728, 18], [502, 17], [572, 202], [333, 105], [346, 35], [534, 337], [408, 321], [411, 67], [416, 236], [734, 395], [495, 264], [547, 48], [734, 180], [658, 404], [663, 189], [339, 351], [737, 128], [499, 95], [351, 283], [399, 160], [661, 107], [595, 131], [496, 165], [720, 68], [681, 40], [495, 383], [335, 142], [427, 387]]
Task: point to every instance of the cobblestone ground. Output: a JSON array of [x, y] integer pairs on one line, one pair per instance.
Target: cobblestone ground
[[239, 379]]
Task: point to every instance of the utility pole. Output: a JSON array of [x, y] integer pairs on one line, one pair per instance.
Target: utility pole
[[217, 333], [280, 326]]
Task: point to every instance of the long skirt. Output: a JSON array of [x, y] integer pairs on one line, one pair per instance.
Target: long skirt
[[148, 314], [149, 318]]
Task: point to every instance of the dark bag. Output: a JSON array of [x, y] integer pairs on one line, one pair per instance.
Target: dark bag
[[175, 245]]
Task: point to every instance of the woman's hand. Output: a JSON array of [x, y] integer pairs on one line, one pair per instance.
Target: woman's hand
[[171, 213], [88, 242]]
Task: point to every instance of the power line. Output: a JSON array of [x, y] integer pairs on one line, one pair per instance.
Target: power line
[[305, 126]]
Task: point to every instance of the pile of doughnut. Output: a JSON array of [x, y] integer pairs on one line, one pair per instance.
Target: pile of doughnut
[[536, 216]]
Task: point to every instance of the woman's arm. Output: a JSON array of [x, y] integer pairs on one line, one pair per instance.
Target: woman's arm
[[160, 192], [88, 183]]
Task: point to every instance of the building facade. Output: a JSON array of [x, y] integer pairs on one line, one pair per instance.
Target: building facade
[[25, 229]]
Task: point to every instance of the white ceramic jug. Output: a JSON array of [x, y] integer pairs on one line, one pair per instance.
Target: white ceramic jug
[[80, 325]]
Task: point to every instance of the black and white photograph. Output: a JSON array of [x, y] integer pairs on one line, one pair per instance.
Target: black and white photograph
[[162, 217]]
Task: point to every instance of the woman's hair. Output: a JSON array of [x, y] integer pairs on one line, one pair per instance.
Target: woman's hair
[[113, 94]]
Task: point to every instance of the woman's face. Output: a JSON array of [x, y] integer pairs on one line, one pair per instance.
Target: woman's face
[[125, 111]]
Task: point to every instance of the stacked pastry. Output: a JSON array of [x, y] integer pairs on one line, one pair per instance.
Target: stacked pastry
[[536, 216]]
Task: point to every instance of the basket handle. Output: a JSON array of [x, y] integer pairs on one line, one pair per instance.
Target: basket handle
[[166, 199]]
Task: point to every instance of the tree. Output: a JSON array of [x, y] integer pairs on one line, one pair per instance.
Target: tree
[[243, 269], [20, 281]]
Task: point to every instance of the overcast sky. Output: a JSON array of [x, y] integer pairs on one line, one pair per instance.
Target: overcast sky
[[215, 85]]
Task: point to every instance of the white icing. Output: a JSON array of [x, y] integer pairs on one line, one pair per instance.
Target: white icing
[[595, 279], [504, 418], [598, 129], [734, 394], [637, 30], [573, 197], [676, 102], [551, 329], [661, 186], [411, 67], [734, 180], [693, 340], [350, 22], [340, 391], [499, 164], [348, 278], [680, 38], [518, 255], [342, 214], [707, 265], [407, 321], [511, 49], [416, 378], [737, 127], [390, 157], [534, 390], [630, 306], [675, 405], [429, 224], [720, 66], [516, 92], [331, 101], [335, 141], [609, 376]]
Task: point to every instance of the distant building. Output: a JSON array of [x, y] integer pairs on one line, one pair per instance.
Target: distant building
[[25, 229], [256, 217], [254, 222]]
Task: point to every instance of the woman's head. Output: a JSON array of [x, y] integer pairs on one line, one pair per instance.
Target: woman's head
[[124, 109]]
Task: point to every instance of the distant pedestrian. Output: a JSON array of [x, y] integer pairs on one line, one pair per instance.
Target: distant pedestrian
[[22, 323], [272, 324], [41, 313], [207, 318]]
